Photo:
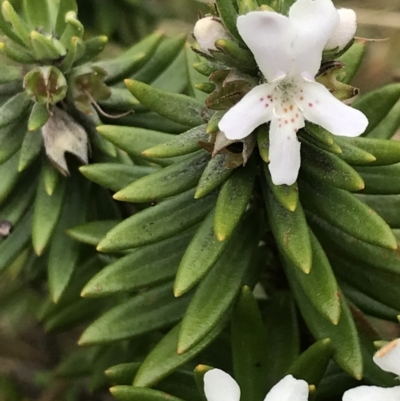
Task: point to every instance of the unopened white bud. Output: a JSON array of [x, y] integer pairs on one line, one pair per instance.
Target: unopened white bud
[[345, 31], [208, 30]]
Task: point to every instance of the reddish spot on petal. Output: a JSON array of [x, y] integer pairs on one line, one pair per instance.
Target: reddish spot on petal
[[266, 104], [285, 110], [292, 120], [286, 121], [261, 99], [291, 107], [301, 98], [288, 138], [280, 125], [297, 115], [310, 104]]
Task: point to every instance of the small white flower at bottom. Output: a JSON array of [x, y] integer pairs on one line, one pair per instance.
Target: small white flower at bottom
[[219, 386], [388, 359]]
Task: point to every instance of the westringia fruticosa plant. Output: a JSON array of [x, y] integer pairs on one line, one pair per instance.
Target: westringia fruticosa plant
[[260, 224]]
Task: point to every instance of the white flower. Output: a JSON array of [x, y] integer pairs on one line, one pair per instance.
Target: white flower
[[219, 386], [207, 31], [388, 359], [345, 31], [288, 51]]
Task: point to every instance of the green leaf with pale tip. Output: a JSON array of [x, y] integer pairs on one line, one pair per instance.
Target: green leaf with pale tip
[[218, 290], [169, 181], [19, 26], [51, 177], [38, 14], [147, 311], [237, 53], [180, 145], [313, 362], [176, 107], [304, 136], [213, 176], [380, 179], [354, 155], [64, 7], [346, 349], [352, 60], [115, 176], [131, 60], [64, 251], [45, 48], [151, 225], [229, 15], [91, 233], [131, 139], [10, 175], [93, 47], [387, 206], [319, 134], [120, 99], [233, 199], [17, 54], [263, 142], [47, 210], [345, 211], [123, 373], [15, 243], [129, 393], [38, 117], [290, 231], [11, 138], [320, 284], [192, 74], [369, 305], [329, 168], [146, 266], [388, 126], [200, 256], [249, 347], [14, 109], [386, 152], [286, 195], [377, 104], [163, 358], [332, 238]]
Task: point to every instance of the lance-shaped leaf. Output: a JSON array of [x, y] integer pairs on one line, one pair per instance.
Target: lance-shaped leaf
[[167, 218], [14, 109], [218, 290], [381, 180], [176, 107], [164, 359], [150, 310], [129, 393], [30, 149], [249, 347], [11, 138], [354, 155], [228, 14], [352, 59], [388, 126], [346, 212], [91, 233], [290, 231]]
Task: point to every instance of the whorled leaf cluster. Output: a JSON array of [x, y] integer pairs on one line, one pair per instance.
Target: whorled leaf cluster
[[203, 224]]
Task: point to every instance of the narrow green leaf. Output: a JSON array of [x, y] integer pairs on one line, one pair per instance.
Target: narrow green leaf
[[228, 14], [176, 107], [169, 181], [38, 117], [18, 24], [380, 179], [156, 223], [249, 347], [354, 155], [64, 7], [233, 199], [163, 358], [30, 149], [93, 47], [150, 310], [11, 138], [388, 126], [352, 60], [9, 73], [346, 212], [14, 109], [10, 175], [263, 142], [129, 393], [38, 14], [91, 233], [217, 292]]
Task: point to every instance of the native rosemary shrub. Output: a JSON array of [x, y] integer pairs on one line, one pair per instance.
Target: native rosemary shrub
[[225, 207]]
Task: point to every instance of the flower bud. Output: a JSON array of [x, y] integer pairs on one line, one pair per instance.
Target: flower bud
[[207, 31], [345, 31]]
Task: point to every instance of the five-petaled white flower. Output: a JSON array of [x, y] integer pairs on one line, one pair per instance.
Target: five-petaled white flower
[[288, 51], [219, 386], [388, 359]]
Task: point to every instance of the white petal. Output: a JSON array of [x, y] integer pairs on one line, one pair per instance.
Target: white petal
[[269, 36], [314, 22], [253, 110], [288, 389], [345, 31], [207, 31], [388, 358], [372, 393], [320, 107], [219, 386], [284, 150]]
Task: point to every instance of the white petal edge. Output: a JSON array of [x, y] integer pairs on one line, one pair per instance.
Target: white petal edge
[[219, 386], [388, 358], [345, 31], [314, 22], [269, 36], [320, 107], [207, 31], [372, 393], [251, 111], [284, 151], [288, 389]]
